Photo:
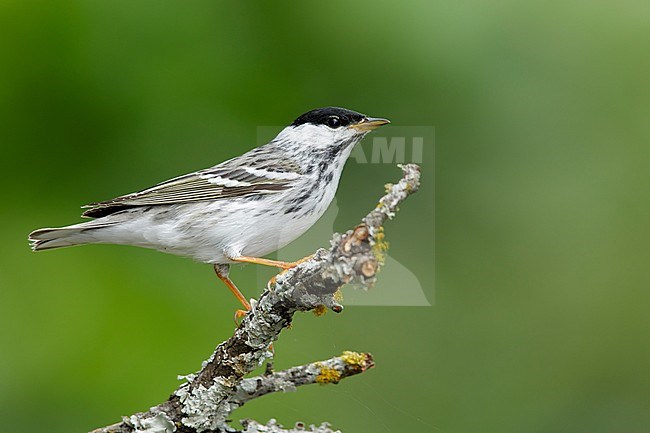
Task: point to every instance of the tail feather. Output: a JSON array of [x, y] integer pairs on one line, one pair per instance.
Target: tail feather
[[78, 234], [49, 238]]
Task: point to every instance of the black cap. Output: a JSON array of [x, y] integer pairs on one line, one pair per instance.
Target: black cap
[[330, 116]]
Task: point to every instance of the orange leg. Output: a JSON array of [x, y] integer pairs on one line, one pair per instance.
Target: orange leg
[[269, 262], [222, 273]]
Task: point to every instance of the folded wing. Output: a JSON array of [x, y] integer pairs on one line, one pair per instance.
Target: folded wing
[[234, 178]]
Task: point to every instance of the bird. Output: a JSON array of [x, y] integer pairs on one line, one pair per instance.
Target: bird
[[237, 211]]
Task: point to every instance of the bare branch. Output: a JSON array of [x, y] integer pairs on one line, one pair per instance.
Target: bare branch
[[206, 400]]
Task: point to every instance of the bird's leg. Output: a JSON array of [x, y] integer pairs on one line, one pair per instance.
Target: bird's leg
[[222, 271], [269, 262]]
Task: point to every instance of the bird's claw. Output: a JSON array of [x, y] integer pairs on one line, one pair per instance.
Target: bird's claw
[[238, 315]]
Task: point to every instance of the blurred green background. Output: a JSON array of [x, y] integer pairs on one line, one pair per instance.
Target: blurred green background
[[541, 109]]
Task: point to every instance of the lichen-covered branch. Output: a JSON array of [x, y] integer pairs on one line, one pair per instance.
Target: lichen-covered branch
[[330, 371], [206, 400], [272, 426]]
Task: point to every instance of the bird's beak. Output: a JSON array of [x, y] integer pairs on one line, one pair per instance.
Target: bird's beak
[[369, 123]]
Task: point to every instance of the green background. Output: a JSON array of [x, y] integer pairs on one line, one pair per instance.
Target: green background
[[540, 321]]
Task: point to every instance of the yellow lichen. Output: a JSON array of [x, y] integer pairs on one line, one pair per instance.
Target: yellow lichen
[[328, 375], [380, 246], [354, 359], [320, 310]]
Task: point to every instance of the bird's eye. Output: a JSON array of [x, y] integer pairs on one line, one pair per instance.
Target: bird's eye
[[333, 121]]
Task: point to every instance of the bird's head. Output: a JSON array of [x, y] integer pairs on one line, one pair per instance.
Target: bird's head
[[330, 129]]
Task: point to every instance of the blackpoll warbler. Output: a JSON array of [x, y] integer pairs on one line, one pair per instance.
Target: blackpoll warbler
[[236, 211]]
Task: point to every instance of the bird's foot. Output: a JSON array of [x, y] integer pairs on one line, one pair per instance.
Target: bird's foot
[[303, 260], [291, 265], [222, 273], [238, 315]]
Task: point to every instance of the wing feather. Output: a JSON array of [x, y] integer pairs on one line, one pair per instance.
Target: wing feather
[[239, 177]]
